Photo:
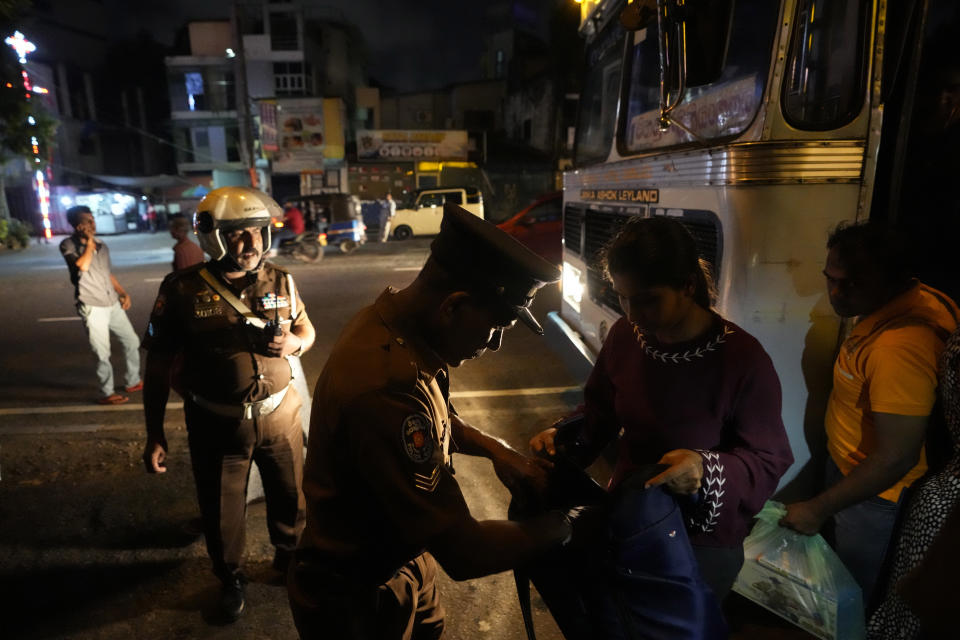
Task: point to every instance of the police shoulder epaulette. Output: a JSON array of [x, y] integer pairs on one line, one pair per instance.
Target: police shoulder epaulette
[[276, 267], [401, 369], [192, 270]]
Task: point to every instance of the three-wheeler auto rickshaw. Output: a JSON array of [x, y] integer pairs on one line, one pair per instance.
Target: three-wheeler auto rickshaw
[[336, 214]]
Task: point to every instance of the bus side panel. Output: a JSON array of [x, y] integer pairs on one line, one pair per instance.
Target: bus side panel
[[771, 284]]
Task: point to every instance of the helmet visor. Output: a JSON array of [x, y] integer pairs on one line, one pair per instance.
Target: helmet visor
[[243, 223]]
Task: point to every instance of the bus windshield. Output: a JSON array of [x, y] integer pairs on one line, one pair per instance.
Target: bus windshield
[[724, 85]]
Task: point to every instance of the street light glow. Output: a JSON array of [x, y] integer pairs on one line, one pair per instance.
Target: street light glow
[[19, 43]]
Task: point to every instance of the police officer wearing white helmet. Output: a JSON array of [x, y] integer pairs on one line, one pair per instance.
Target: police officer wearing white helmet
[[223, 331]]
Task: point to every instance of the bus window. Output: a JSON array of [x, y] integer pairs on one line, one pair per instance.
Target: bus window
[[725, 81], [826, 70], [598, 102]]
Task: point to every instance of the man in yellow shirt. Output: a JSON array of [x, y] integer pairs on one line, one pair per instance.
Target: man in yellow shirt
[[884, 388]]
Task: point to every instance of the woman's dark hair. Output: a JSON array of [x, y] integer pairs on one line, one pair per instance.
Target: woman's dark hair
[[659, 251], [872, 246]]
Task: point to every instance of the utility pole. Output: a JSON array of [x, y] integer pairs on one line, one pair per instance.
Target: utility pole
[[243, 100]]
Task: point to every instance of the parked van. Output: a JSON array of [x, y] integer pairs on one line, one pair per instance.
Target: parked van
[[422, 217]]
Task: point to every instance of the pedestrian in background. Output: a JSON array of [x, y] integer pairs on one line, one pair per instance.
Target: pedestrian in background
[[185, 253], [236, 321], [101, 303], [388, 209]]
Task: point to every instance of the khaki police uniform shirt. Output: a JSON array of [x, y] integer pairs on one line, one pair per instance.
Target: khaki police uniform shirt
[[378, 479], [221, 362]]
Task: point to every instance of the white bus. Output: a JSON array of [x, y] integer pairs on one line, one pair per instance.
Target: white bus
[[761, 124]]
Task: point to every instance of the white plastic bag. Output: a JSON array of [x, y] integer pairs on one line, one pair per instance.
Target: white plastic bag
[[800, 579]]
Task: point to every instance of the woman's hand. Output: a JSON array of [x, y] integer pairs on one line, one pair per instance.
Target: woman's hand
[[684, 474], [542, 443]]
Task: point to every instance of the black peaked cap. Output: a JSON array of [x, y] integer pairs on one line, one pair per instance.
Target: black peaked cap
[[490, 262]]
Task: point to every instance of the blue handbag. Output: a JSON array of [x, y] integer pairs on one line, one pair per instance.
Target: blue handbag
[[636, 578]]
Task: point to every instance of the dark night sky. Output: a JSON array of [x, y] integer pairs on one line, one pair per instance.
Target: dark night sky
[[417, 44]]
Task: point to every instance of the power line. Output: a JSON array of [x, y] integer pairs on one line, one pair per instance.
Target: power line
[[147, 134]]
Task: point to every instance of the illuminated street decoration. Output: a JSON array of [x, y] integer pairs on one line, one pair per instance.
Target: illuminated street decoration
[[43, 195], [19, 43]]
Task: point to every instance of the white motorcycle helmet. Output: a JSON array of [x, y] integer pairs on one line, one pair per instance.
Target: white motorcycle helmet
[[229, 208]]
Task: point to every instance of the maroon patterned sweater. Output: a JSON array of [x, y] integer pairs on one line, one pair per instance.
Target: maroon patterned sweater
[[718, 395]]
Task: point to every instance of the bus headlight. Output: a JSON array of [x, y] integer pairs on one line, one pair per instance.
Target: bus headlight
[[573, 285]]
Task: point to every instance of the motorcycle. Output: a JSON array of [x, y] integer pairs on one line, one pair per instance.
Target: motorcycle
[[305, 247]]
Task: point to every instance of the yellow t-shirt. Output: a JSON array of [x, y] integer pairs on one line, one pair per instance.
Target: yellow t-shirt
[[888, 364]]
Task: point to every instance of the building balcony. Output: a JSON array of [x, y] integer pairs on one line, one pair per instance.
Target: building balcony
[[209, 117], [199, 61], [193, 167], [259, 47]]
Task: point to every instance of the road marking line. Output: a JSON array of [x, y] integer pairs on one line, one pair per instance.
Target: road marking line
[[153, 279], [63, 319], [86, 408], [79, 408], [530, 391]]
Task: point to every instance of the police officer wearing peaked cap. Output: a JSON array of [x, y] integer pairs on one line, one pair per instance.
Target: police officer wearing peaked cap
[[491, 263], [383, 505]]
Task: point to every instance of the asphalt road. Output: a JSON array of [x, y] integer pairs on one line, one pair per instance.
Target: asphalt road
[[93, 547]]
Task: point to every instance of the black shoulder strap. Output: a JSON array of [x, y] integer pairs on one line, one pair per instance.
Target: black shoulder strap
[[232, 300], [523, 594]]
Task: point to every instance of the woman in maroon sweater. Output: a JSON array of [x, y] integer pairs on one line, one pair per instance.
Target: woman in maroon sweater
[[689, 389]]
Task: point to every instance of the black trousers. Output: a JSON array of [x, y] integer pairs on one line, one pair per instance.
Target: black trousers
[[221, 450]]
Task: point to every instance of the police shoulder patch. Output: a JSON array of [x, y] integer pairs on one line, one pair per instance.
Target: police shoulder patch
[[415, 435]]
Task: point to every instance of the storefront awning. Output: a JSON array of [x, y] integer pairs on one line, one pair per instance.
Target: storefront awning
[[144, 182]]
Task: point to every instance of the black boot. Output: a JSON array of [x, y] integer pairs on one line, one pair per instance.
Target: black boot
[[232, 600]]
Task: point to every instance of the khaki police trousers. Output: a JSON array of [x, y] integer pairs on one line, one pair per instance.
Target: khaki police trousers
[[406, 607], [221, 450]]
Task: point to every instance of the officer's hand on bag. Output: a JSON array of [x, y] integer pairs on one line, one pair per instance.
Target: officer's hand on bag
[[155, 455], [683, 475], [542, 443], [517, 471], [587, 524]]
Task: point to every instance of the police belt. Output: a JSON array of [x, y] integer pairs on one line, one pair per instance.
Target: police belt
[[244, 411]]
